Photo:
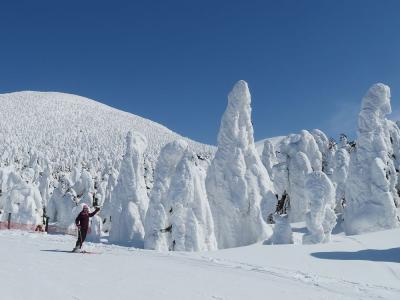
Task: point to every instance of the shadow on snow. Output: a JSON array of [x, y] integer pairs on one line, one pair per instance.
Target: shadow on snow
[[385, 255]]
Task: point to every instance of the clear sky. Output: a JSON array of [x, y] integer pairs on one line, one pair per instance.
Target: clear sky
[[308, 63]]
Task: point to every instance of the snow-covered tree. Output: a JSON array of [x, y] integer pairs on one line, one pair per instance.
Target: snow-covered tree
[[84, 188], [189, 215], [45, 186], [268, 157], [394, 133], [330, 157], [283, 233], [301, 155], [60, 206], [299, 167], [370, 203], [344, 142], [339, 177], [323, 145], [96, 225], [280, 173], [320, 219], [130, 199], [105, 212], [23, 199], [238, 185], [156, 216], [303, 142]]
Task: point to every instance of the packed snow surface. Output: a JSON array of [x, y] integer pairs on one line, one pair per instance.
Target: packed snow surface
[[357, 267]]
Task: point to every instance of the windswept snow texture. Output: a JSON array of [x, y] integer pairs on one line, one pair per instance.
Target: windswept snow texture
[[66, 128], [238, 185], [370, 188]]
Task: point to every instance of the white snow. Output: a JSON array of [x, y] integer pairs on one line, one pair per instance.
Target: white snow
[[358, 267]]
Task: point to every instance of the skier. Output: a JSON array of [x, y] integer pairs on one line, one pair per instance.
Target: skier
[[82, 222]]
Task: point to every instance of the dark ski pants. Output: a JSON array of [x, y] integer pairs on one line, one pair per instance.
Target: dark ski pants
[[81, 237]]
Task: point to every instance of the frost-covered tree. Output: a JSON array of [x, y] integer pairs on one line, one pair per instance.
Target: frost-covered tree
[[45, 186], [105, 212], [301, 155], [96, 225], [303, 142], [320, 218], [370, 203], [23, 199], [280, 173], [156, 216], [268, 157], [339, 177], [394, 133], [130, 200], [323, 145], [330, 157], [283, 233], [84, 188], [238, 185], [60, 206], [189, 215], [344, 142], [299, 167]]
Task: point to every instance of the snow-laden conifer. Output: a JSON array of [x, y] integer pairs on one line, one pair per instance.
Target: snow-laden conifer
[[370, 201], [320, 219], [156, 216], [130, 199], [238, 185]]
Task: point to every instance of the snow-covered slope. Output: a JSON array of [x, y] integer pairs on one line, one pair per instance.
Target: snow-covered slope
[[56, 124], [358, 267]]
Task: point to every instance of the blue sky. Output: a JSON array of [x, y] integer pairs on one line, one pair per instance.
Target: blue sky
[[308, 63]]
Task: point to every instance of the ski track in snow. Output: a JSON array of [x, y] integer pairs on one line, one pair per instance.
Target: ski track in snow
[[329, 284], [196, 263]]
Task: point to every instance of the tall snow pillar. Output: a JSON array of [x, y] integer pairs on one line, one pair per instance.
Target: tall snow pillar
[[130, 199], [238, 186], [370, 204]]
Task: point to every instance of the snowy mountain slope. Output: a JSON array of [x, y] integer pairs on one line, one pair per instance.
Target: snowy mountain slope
[[360, 267], [57, 124]]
